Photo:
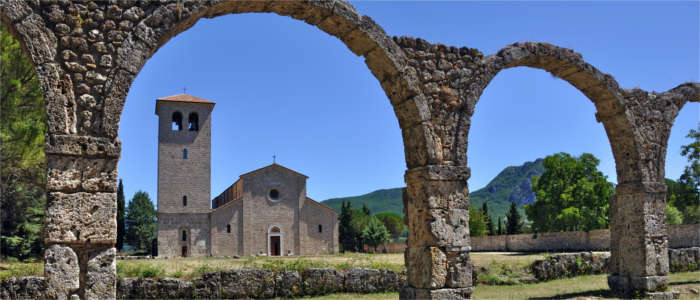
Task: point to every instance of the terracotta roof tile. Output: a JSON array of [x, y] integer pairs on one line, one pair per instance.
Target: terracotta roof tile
[[185, 98]]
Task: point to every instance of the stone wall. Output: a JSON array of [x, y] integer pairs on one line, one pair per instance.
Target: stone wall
[[315, 240], [584, 263], [170, 241], [225, 243], [680, 236]]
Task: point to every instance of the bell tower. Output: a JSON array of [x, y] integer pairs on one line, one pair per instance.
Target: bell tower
[[184, 175]]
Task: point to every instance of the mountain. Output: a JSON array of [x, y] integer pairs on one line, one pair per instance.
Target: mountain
[[513, 184]]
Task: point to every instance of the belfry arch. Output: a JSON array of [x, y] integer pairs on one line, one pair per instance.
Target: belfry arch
[[87, 54]]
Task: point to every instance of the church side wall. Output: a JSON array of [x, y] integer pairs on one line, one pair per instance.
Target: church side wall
[[169, 237], [314, 242], [223, 242], [260, 213]]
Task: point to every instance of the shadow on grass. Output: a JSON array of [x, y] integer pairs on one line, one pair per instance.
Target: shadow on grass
[[595, 293], [684, 282]]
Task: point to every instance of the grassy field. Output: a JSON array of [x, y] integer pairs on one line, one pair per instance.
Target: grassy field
[[582, 287], [188, 268]]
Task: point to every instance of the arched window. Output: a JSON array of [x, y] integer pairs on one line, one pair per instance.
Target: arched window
[[184, 235], [176, 124], [193, 122], [320, 228], [184, 153], [184, 200], [228, 228]]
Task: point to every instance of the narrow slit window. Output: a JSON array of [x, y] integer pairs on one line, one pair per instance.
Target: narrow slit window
[[193, 122], [320, 228], [184, 235], [184, 153], [184, 200], [228, 228], [176, 124]]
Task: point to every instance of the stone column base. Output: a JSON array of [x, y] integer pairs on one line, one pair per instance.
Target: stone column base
[[408, 292], [651, 286]]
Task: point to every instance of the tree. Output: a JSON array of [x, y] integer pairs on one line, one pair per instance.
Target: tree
[[375, 234], [571, 195], [477, 223], [365, 210], [393, 223], [500, 229], [22, 160], [489, 223], [121, 228], [513, 223], [347, 241], [141, 221], [673, 216], [685, 194], [359, 220]]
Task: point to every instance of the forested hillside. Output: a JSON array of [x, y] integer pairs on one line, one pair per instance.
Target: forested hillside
[[510, 185]]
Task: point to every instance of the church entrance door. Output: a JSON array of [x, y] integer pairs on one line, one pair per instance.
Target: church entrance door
[[275, 246], [184, 251]]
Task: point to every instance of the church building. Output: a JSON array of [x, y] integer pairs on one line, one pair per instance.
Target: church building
[[265, 212]]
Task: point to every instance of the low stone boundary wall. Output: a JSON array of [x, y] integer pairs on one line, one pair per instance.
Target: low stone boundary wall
[[679, 236], [263, 284], [586, 263]]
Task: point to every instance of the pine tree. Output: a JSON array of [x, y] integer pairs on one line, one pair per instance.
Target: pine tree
[[375, 233], [513, 223], [121, 228], [489, 223]]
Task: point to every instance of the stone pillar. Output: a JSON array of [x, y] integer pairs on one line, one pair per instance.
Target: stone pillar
[[436, 208], [80, 231], [639, 240]]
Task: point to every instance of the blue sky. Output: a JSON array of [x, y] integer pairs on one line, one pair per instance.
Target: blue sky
[[285, 88]]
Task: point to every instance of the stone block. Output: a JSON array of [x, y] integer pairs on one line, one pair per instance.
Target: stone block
[[208, 286], [389, 281], [81, 217], [41, 43], [459, 269], [362, 280], [426, 267], [62, 271], [436, 227], [173, 288], [408, 292], [101, 277], [322, 281], [71, 174], [247, 283], [79, 145], [288, 284], [438, 194]]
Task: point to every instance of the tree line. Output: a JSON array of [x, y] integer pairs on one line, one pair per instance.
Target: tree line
[[358, 227]]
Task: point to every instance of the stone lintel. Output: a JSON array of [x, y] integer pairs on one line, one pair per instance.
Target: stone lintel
[[85, 146], [409, 292], [641, 187], [438, 172]]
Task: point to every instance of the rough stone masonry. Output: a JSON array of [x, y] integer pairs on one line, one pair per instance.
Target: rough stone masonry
[[87, 53]]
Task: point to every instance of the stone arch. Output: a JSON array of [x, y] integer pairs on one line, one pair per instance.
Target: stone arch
[[601, 89], [275, 231]]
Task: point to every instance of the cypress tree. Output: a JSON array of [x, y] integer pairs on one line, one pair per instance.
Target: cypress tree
[[365, 209], [121, 229], [489, 223], [500, 229], [513, 223]]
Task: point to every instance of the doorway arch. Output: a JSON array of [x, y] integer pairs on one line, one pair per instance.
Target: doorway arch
[[275, 241]]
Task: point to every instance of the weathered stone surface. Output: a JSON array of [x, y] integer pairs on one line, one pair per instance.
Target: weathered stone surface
[[408, 292], [322, 281], [30, 287], [361, 280], [288, 284], [426, 267], [81, 217], [173, 288], [61, 270], [459, 269], [73, 174], [101, 275], [569, 265], [247, 283], [208, 286], [86, 146]]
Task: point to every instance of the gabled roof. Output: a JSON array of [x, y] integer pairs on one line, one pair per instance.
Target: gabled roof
[[323, 205], [185, 98], [274, 165]]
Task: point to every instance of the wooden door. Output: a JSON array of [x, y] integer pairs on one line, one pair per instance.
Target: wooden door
[[275, 246]]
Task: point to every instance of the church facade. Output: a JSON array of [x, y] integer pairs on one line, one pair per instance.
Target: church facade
[[265, 212]]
